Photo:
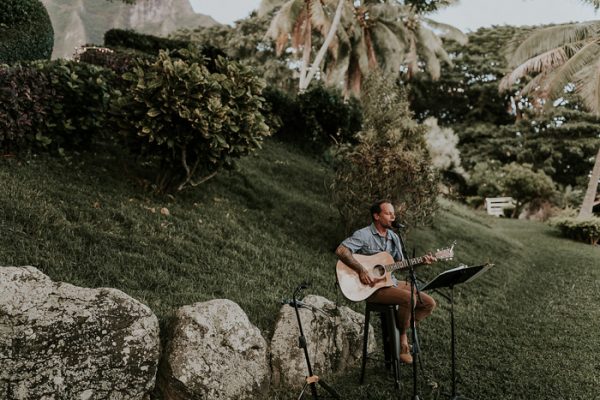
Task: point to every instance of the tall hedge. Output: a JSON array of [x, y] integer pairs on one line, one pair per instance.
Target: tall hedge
[[150, 44], [52, 105], [25, 31]]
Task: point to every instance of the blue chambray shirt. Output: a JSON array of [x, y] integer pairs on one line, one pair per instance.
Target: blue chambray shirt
[[368, 241]]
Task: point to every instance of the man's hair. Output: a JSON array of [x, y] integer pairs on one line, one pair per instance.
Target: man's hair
[[376, 207]]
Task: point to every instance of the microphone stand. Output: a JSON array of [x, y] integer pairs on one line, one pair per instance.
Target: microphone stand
[[413, 287], [311, 379]]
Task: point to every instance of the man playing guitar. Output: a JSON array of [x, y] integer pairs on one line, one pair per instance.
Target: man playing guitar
[[379, 237]]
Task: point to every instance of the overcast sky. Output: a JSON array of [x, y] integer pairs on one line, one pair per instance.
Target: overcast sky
[[468, 15]]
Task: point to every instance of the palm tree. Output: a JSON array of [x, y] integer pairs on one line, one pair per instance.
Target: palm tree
[[554, 57], [391, 37], [296, 20], [363, 36]]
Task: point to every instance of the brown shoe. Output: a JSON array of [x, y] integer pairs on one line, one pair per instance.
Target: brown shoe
[[405, 356]]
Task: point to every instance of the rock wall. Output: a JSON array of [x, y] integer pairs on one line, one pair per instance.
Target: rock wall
[[59, 341]]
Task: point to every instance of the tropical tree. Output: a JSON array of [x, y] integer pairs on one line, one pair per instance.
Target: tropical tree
[[390, 160], [363, 36], [296, 20], [391, 37], [554, 60]]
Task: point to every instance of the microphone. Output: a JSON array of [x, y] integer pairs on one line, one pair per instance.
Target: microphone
[[396, 224]]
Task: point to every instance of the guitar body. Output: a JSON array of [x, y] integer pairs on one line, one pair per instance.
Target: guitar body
[[350, 284]]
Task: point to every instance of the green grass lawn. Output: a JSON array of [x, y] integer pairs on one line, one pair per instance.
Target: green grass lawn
[[527, 329]]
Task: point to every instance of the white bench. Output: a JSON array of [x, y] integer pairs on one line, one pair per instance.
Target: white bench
[[496, 205]]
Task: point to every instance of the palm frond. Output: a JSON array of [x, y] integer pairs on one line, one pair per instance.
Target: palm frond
[[566, 73], [536, 84], [300, 30], [447, 31], [266, 6], [429, 46], [595, 3], [412, 57], [545, 39], [587, 82], [386, 11], [446, 3], [320, 20], [549, 60], [390, 48], [322, 15], [284, 22]]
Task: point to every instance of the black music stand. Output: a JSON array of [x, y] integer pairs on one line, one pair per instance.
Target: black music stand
[[451, 278]]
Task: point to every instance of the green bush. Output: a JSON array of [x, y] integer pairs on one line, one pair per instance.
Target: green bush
[[120, 61], [25, 31], [52, 105], [145, 43], [518, 181], [80, 115], [583, 230], [526, 185], [284, 114], [151, 45], [390, 161], [188, 122], [328, 119], [25, 96], [316, 119]]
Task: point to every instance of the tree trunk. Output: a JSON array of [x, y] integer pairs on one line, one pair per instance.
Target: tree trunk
[[592, 189], [306, 49], [321, 54]]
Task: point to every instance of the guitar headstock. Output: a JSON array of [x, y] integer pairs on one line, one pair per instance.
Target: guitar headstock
[[446, 253]]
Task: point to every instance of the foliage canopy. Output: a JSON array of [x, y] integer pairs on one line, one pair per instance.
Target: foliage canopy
[[390, 161]]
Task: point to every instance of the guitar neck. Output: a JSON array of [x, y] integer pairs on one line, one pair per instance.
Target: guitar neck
[[404, 264]]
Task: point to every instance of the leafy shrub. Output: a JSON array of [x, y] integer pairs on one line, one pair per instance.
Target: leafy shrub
[[25, 96], [315, 119], [188, 122], [390, 161], [119, 61], [328, 119], [518, 181], [583, 230], [84, 91], [486, 177], [441, 143], [526, 185], [146, 43], [151, 45], [25, 31], [52, 104]]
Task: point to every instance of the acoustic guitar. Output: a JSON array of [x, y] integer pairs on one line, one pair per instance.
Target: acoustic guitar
[[380, 267]]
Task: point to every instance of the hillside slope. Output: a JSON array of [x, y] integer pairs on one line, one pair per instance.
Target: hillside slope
[[526, 329]]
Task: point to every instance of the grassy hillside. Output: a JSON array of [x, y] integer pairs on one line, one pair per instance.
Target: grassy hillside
[[526, 329]]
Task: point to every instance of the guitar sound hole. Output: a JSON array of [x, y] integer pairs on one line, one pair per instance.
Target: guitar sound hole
[[378, 271]]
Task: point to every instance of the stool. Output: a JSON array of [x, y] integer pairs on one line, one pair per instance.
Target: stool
[[390, 338]]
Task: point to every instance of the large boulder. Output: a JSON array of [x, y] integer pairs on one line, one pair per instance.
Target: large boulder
[[59, 341], [334, 341], [214, 352]]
